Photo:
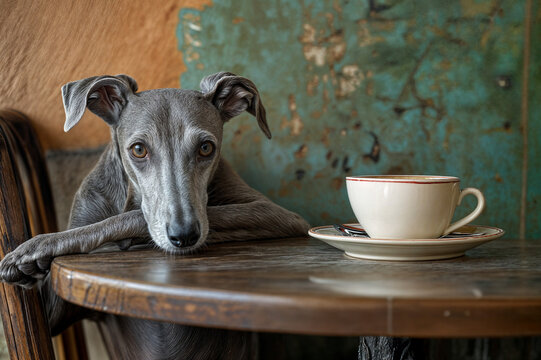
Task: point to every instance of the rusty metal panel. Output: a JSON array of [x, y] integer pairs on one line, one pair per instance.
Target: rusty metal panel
[[369, 87]]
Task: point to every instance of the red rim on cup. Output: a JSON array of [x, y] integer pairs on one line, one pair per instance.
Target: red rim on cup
[[406, 179]]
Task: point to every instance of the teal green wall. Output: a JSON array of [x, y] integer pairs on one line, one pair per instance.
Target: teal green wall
[[378, 87]]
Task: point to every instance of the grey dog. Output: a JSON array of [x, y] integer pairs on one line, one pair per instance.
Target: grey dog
[[161, 179]]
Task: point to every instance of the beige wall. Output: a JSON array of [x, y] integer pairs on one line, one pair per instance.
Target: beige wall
[[45, 44]]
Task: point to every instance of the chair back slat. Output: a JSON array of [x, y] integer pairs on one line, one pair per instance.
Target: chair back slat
[[26, 208]]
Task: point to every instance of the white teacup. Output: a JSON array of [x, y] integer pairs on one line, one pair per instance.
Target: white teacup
[[409, 206]]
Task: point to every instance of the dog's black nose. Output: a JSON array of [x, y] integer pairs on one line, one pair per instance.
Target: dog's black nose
[[183, 234]]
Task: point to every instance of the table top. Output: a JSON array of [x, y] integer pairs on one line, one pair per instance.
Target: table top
[[303, 285]]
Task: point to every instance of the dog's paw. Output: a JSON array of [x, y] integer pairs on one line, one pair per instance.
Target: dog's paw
[[28, 263]]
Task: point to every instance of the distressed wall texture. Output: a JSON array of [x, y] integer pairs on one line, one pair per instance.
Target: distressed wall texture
[[380, 87]]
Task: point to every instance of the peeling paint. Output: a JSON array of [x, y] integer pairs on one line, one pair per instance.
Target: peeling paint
[[322, 49], [295, 123], [350, 79], [315, 54], [364, 35], [191, 28], [329, 155], [312, 85], [374, 151], [301, 152]]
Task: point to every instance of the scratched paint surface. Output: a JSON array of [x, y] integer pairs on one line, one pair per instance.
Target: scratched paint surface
[[365, 87]]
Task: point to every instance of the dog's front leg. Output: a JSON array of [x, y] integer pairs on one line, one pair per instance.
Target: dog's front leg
[[238, 212], [32, 259], [257, 219]]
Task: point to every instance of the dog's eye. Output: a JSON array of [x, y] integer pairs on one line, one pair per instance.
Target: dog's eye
[[206, 149], [139, 150]]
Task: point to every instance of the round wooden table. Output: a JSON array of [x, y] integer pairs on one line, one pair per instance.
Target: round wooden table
[[305, 286]]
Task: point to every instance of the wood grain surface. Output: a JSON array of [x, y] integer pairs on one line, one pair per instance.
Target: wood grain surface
[[304, 286], [46, 44]]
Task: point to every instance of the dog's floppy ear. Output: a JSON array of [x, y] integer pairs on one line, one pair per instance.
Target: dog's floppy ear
[[232, 95], [104, 95]]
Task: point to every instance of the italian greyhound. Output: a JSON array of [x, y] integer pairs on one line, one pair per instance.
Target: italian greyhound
[[161, 179]]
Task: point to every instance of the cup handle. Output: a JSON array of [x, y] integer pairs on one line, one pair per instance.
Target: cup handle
[[475, 213]]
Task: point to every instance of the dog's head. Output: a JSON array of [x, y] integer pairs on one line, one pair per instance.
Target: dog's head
[[169, 143]]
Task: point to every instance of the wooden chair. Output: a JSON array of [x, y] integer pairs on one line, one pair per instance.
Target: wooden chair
[[26, 209]]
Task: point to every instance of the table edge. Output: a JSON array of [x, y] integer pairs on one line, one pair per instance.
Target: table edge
[[315, 316]]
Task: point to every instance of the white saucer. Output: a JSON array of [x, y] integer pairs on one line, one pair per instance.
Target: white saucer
[[364, 247]]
